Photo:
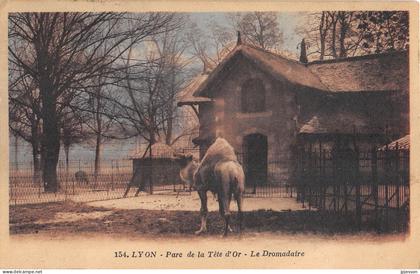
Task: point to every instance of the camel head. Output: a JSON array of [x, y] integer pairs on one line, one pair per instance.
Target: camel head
[[184, 160], [188, 168]]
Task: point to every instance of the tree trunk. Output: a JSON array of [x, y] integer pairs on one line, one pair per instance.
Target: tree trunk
[[333, 39], [36, 155], [98, 134], [168, 137], [343, 51], [152, 137], [67, 152], [50, 140], [343, 33], [36, 152], [16, 152], [37, 169], [322, 35], [98, 155]]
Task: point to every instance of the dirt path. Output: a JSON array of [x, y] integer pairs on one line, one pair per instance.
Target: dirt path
[[191, 202]]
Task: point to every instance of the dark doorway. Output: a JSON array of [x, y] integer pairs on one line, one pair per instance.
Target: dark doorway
[[255, 160]]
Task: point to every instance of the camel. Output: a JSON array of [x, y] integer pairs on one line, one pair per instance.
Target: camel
[[219, 172]]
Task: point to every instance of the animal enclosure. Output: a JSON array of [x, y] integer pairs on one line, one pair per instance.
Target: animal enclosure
[[372, 186], [111, 182]]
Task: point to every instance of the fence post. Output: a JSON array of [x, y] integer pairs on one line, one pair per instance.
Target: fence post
[[73, 183], [300, 173], [15, 183], [387, 172], [311, 179], [356, 177], [397, 172], [374, 166], [39, 187], [65, 190], [334, 177], [151, 170], [346, 197], [397, 181], [324, 180], [336, 163], [303, 178], [112, 174]]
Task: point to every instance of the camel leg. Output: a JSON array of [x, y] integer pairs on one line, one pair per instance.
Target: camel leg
[[223, 213], [227, 226], [228, 211], [238, 197], [203, 212], [224, 202]]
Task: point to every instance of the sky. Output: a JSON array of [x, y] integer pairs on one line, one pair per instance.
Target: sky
[[122, 149]]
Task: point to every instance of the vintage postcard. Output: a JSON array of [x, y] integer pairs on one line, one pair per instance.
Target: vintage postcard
[[192, 134]]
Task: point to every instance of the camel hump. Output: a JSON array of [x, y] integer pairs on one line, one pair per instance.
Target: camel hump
[[220, 150]]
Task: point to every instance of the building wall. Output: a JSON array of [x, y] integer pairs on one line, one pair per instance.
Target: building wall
[[288, 106], [277, 122]]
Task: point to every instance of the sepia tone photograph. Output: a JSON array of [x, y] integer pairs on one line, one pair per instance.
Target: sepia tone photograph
[[209, 126]]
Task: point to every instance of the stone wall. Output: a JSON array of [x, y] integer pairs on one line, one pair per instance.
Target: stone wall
[[277, 122]]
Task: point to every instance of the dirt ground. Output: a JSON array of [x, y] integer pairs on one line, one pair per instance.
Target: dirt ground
[[191, 202], [172, 216]]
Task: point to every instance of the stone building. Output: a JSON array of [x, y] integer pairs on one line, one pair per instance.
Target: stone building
[[265, 104]]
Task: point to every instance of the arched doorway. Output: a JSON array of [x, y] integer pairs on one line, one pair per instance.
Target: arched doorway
[[255, 160]]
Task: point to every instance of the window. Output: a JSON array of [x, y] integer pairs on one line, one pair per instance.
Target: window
[[253, 96]]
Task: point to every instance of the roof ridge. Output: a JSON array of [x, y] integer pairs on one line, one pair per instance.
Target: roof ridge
[[273, 53], [355, 58], [292, 61]]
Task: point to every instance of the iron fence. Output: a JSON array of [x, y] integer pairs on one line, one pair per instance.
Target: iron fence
[[370, 186], [111, 182]]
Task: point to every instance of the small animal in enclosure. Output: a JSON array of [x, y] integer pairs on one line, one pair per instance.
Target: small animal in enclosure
[[81, 177], [219, 172]]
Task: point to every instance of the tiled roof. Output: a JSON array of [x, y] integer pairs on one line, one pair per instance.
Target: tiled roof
[[342, 123], [186, 97], [279, 67], [403, 143], [159, 151], [371, 73], [379, 72]]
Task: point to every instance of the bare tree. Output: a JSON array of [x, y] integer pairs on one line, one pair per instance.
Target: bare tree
[[100, 118], [316, 29], [148, 106], [61, 56], [25, 113], [211, 46], [72, 131], [259, 28], [382, 31], [338, 34]]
